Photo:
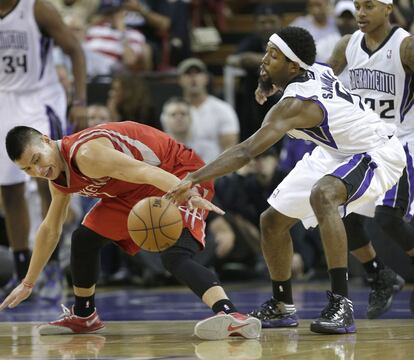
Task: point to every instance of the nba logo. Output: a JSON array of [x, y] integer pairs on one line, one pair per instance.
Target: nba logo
[[389, 52]]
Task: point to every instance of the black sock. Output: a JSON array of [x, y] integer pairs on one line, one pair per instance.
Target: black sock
[[339, 281], [21, 260], [84, 306], [224, 305], [373, 266], [282, 291]]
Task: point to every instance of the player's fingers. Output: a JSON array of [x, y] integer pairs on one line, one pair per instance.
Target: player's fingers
[[217, 210], [15, 302], [6, 302]]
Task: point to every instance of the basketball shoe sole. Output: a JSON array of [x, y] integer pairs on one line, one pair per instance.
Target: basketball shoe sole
[[222, 326]]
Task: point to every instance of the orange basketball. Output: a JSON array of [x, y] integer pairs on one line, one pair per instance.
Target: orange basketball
[[155, 224]]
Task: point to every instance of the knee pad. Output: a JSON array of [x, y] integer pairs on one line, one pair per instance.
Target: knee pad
[[355, 231], [391, 221], [185, 248], [85, 256]]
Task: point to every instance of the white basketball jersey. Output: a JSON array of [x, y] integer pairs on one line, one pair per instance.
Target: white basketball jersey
[[25, 53], [380, 79], [348, 126]]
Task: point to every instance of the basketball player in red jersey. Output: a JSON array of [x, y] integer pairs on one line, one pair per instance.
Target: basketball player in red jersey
[[121, 163]]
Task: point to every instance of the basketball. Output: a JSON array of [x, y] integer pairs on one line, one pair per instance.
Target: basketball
[[155, 224]]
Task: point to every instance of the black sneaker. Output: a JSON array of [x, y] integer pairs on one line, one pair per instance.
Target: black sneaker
[[276, 314], [383, 287], [336, 318]]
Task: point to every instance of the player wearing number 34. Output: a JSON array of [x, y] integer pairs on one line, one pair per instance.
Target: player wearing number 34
[[357, 159], [121, 163]]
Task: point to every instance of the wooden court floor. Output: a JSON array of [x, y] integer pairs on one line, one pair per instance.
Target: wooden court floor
[[376, 339]]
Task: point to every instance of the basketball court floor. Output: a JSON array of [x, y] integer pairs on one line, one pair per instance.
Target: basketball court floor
[[158, 324]]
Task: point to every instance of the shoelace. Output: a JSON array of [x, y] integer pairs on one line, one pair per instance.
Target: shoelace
[[332, 308], [379, 289], [268, 308], [66, 313]]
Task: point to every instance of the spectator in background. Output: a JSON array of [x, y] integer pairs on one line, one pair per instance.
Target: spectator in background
[[153, 19], [346, 24], [176, 121], [98, 114], [179, 37], [243, 195], [96, 62], [129, 98], [319, 21], [81, 9], [249, 54], [214, 121], [125, 49]]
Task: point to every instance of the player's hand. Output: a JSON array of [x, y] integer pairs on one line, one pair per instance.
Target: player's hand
[[261, 95], [19, 294], [197, 202], [78, 117], [180, 193]]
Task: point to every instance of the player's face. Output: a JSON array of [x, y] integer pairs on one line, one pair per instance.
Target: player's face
[[41, 159], [274, 68], [371, 14]]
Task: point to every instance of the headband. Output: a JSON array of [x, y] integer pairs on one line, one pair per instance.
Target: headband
[[387, 2], [287, 51]]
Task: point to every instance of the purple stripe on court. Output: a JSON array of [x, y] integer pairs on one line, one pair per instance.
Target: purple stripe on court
[[352, 164], [410, 175]]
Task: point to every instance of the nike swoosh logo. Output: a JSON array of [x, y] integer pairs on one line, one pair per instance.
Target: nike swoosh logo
[[91, 322], [233, 328]]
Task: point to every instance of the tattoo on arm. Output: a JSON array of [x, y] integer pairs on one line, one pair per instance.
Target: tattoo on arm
[[407, 53]]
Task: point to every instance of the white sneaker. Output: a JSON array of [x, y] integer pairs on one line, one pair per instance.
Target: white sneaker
[[222, 326]]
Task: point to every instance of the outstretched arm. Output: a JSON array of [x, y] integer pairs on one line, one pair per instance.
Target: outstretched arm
[[407, 54], [289, 114], [98, 158], [46, 240], [338, 58]]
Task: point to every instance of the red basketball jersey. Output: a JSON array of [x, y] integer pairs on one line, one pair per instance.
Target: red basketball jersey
[[109, 216]]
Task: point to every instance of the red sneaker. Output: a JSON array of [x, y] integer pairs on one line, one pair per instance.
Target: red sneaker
[[69, 323], [222, 326]]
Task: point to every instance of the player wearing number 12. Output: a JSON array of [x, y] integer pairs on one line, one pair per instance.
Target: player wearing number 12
[[357, 159]]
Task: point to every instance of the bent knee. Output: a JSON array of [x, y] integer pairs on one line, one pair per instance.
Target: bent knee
[[273, 222], [327, 193]]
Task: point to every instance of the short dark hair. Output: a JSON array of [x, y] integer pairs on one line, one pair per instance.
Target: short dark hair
[[17, 140], [176, 100], [301, 42]]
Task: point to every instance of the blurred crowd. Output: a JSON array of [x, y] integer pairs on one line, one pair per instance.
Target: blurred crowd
[[129, 45]]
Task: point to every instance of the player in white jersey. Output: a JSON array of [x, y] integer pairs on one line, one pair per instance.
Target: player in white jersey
[[380, 59], [357, 160], [30, 94]]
